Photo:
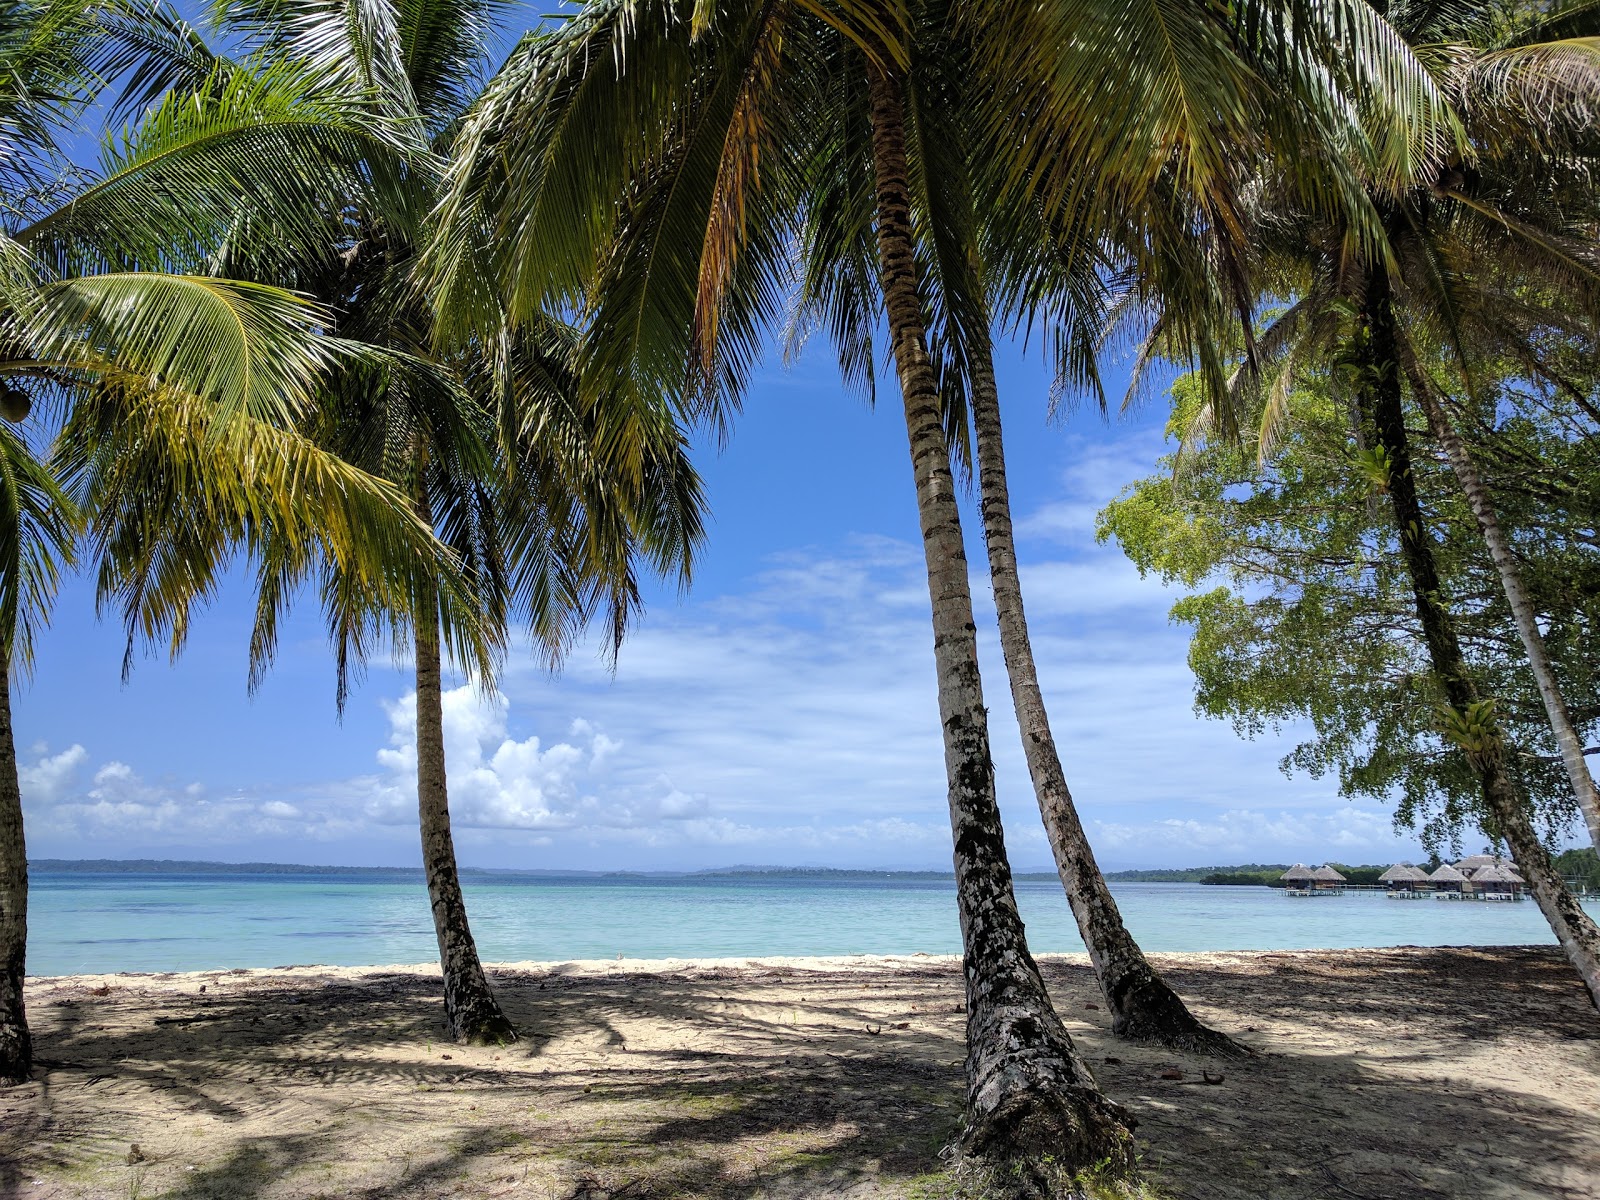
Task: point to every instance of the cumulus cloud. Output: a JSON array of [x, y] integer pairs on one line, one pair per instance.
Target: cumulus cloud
[[49, 776], [118, 810], [500, 782]]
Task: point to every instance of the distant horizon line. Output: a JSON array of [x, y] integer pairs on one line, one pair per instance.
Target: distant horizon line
[[220, 866]]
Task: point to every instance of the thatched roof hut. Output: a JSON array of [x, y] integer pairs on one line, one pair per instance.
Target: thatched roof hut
[[1299, 873], [1402, 877], [1496, 878], [1327, 875], [1472, 862], [1447, 879]]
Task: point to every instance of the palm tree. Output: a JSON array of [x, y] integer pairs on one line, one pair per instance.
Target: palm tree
[[171, 397], [838, 293], [1510, 215], [678, 282], [711, 119], [549, 500]]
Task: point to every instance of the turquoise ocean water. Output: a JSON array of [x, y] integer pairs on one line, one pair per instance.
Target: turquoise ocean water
[[85, 923]]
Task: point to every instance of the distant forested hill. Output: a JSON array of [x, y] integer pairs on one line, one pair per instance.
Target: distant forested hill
[[177, 866], [1246, 873], [1199, 874]]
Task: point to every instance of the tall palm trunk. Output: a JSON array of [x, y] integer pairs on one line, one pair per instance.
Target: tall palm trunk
[[1522, 610], [1029, 1094], [1506, 808], [16, 1044], [469, 1004], [1141, 1004]]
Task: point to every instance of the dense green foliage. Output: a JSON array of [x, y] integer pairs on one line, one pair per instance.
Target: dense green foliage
[[1580, 868], [1301, 610], [1194, 874]]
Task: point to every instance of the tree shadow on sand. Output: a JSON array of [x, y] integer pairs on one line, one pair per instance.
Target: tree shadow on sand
[[654, 1086]]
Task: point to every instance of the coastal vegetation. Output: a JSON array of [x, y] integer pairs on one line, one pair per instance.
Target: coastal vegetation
[[351, 305]]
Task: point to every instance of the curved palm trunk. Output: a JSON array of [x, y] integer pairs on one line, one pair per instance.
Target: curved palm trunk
[[1506, 807], [473, 1012], [1142, 1005], [1522, 610], [16, 1044], [1029, 1094]]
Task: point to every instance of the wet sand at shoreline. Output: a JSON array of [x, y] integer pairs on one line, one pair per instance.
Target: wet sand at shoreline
[[1427, 1073]]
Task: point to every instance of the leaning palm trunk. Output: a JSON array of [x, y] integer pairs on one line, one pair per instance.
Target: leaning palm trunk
[[1142, 1005], [1522, 610], [469, 1004], [1029, 1094], [16, 1044], [1506, 808]]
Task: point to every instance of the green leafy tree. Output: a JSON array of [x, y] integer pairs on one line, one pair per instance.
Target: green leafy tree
[[1440, 264], [1317, 619]]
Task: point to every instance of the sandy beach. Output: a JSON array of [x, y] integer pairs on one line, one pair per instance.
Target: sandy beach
[[1436, 1073]]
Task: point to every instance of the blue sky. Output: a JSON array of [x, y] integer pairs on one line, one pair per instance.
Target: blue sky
[[782, 713]]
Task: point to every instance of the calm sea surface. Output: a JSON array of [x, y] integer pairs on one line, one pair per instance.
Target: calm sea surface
[[82, 923]]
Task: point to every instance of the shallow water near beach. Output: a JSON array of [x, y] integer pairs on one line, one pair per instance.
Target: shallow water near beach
[[86, 923]]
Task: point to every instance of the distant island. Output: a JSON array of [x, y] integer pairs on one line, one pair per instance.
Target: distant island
[[1249, 873], [1245, 874], [172, 866], [1580, 867]]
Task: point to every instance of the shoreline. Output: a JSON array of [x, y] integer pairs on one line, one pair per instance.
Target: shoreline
[[1430, 1072], [624, 965]]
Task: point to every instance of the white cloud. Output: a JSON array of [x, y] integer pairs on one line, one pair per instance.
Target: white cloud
[[499, 782], [47, 779]]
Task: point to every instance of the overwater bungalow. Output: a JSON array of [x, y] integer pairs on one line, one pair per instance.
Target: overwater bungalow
[[1300, 880], [1497, 882], [1472, 862], [1448, 883], [1326, 879], [1404, 882]]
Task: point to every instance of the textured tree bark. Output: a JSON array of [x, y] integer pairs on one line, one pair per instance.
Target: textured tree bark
[[1506, 808], [1142, 1006], [1522, 610], [1029, 1094], [473, 1012], [16, 1043]]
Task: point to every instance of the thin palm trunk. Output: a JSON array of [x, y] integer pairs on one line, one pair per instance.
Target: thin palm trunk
[[1029, 1094], [16, 1043], [469, 1003], [1142, 1006], [1505, 807], [1522, 610]]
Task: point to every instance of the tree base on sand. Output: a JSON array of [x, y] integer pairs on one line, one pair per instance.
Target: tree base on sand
[[1145, 1009], [479, 1021], [16, 1053], [1029, 1144]]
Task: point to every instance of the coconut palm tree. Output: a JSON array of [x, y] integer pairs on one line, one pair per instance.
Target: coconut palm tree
[[993, 251], [197, 377], [1510, 216], [550, 500], [678, 283], [674, 244]]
